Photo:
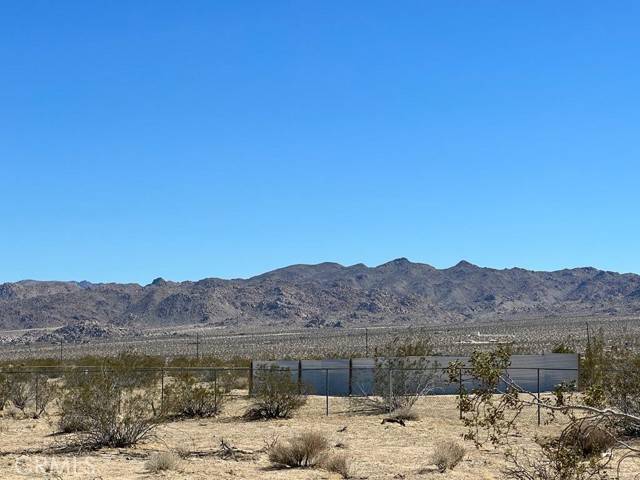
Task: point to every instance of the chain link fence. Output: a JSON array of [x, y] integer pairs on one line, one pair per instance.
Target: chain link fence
[[335, 388]]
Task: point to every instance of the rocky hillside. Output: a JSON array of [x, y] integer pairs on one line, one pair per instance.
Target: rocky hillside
[[327, 294]]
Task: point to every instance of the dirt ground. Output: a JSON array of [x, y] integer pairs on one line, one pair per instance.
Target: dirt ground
[[376, 451]]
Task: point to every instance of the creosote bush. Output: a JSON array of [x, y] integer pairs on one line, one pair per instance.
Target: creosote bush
[[43, 392], [187, 397], [107, 413], [27, 391], [71, 421], [20, 391], [447, 455], [5, 391], [275, 394], [401, 377]]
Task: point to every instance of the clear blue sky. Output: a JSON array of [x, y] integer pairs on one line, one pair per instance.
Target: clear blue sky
[[191, 139]]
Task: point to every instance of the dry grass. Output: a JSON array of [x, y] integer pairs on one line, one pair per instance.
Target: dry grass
[[447, 455], [162, 462], [404, 414], [305, 450], [337, 463]]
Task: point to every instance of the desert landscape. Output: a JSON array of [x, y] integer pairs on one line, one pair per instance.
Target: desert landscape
[[374, 450], [319, 240]]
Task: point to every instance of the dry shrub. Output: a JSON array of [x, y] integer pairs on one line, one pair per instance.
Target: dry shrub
[[337, 463], [162, 461], [230, 380], [189, 398], [399, 382], [24, 389], [19, 391], [447, 455], [404, 414], [276, 395], [589, 438], [303, 451], [5, 391], [108, 414], [43, 392], [71, 421]]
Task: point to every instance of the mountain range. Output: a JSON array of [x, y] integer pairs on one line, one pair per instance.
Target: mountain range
[[327, 294]]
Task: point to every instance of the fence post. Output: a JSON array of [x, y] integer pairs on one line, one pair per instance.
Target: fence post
[[390, 389], [538, 397], [350, 376], [162, 389], [299, 376], [326, 390], [215, 387], [37, 392], [460, 391], [250, 378], [366, 342]]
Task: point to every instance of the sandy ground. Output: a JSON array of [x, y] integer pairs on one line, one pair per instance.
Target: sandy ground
[[376, 451]]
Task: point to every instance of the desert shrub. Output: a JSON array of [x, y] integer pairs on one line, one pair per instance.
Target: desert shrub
[[593, 420], [134, 371], [131, 370], [43, 392], [71, 419], [19, 390], [404, 414], [337, 463], [276, 395], [447, 455], [187, 397], [110, 415], [230, 380], [208, 361], [26, 389], [563, 348], [5, 391], [399, 383], [162, 462], [612, 378], [589, 438], [305, 450]]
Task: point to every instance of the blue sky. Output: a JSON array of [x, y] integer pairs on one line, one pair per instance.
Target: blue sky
[[202, 138]]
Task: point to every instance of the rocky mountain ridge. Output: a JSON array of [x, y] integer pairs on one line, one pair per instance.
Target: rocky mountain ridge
[[327, 294]]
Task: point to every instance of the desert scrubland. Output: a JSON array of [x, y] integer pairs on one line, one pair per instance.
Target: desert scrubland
[[375, 450]]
